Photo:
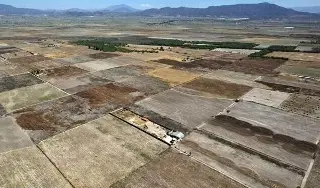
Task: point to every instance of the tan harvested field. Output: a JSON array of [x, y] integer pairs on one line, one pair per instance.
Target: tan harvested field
[[172, 76], [30, 168], [110, 148], [187, 172]]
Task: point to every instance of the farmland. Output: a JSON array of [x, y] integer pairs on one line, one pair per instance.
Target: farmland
[[122, 102]]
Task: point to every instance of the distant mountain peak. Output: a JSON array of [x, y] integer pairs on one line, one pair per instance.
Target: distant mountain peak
[[121, 8]]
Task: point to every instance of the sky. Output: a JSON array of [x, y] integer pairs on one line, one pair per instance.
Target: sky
[[145, 4]]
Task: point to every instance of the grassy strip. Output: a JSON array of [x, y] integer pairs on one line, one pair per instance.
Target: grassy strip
[[106, 46], [198, 44], [115, 43]]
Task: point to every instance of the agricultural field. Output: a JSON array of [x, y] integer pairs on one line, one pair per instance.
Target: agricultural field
[[130, 103]]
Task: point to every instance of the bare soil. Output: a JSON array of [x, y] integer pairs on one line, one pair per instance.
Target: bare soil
[[53, 117], [255, 66], [109, 93], [103, 55], [29, 59], [66, 71], [303, 104], [205, 64], [34, 121], [177, 170], [18, 81], [283, 140], [217, 87]]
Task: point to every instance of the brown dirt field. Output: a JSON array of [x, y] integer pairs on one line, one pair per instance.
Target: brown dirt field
[[50, 118], [211, 64], [34, 121], [29, 59], [255, 66], [205, 64], [102, 55], [218, 88], [231, 57], [109, 93], [66, 71], [302, 104]]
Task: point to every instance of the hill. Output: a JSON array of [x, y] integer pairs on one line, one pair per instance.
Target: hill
[[11, 10], [252, 11], [8, 9], [121, 8]]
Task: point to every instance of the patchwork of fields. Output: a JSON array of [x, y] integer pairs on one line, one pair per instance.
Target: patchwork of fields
[[72, 116]]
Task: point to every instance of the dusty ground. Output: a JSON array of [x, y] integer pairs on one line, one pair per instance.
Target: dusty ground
[[200, 65], [23, 97], [26, 164], [18, 81], [62, 72], [102, 55], [110, 93], [302, 104], [266, 97], [187, 173], [218, 88], [110, 148], [255, 66], [12, 136], [176, 105], [301, 68], [29, 59]]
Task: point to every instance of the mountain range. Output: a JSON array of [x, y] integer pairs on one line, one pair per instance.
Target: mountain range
[[314, 9], [251, 11]]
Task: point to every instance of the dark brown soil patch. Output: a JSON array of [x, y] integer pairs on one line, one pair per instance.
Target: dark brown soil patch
[[2, 110], [103, 55], [211, 64], [56, 116], [34, 121], [67, 71], [29, 59], [14, 82], [217, 87], [279, 138], [255, 66], [159, 119], [11, 50], [204, 64], [226, 162], [109, 93]]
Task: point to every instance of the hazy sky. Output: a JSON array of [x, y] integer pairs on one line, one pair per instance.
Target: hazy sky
[[143, 4]]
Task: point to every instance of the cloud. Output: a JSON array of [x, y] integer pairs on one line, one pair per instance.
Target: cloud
[[146, 5]]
